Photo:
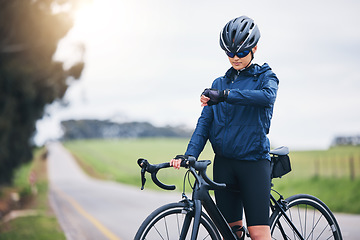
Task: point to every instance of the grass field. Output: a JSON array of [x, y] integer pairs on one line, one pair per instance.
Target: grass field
[[332, 175], [117, 159], [41, 226]]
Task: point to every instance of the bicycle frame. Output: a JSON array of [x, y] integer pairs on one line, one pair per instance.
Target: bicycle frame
[[280, 205], [201, 198]]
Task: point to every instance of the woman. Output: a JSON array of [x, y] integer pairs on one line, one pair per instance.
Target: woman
[[236, 119]]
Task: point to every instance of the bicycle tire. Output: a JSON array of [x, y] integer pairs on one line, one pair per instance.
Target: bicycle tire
[[311, 217], [166, 222]]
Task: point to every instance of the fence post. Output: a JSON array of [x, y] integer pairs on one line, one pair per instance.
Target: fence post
[[317, 167], [333, 166], [352, 168]]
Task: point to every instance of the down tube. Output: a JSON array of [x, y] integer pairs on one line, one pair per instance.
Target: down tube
[[217, 217]]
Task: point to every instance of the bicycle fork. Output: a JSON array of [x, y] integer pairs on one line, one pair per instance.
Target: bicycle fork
[[196, 214]]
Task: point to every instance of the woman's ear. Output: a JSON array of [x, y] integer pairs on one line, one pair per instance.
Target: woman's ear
[[254, 49]]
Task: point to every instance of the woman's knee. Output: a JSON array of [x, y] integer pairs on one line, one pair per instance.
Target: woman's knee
[[261, 232]]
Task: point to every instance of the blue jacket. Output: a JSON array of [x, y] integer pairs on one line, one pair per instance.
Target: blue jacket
[[237, 128]]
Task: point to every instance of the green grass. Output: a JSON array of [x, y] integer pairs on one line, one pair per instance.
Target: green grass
[[117, 159], [32, 228], [43, 225], [340, 195], [332, 175], [332, 163], [324, 174], [20, 181]]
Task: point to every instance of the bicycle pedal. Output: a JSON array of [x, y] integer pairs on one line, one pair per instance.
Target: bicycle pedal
[[242, 229], [246, 231]]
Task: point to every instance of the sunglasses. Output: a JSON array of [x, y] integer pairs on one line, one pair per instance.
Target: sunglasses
[[239, 54]]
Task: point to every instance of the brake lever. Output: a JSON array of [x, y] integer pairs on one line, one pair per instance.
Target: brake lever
[[143, 179], [143, 164]]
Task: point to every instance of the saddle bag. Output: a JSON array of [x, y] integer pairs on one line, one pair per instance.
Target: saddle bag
[[280, 165]]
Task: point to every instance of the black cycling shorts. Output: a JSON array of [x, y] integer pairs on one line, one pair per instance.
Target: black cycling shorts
[[251, 179]]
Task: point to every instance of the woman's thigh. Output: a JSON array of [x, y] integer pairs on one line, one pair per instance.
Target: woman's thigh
[[252, 181]]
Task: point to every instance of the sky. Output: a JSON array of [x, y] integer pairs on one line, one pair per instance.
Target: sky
[[150, 61]]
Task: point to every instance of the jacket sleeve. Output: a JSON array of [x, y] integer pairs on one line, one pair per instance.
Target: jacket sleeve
[[201, 133], [263, 97]]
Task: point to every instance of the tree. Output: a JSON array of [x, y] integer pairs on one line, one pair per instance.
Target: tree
[[29, 77]]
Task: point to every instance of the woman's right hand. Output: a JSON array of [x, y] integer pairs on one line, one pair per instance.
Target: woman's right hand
[[175, 163]]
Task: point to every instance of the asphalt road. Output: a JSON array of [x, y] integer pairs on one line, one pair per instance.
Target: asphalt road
[[90, 209]]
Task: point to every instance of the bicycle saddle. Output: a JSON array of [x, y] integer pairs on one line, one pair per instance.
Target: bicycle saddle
[[280, 151]]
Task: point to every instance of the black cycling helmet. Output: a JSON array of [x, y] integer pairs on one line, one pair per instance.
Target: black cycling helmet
[[239, 34]]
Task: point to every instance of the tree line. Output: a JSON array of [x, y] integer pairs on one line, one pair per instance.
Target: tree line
[[353, 140], [92, 128], [29, 77]]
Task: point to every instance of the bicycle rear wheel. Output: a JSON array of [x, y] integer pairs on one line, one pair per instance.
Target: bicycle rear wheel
[[169, 221], [311, 217]]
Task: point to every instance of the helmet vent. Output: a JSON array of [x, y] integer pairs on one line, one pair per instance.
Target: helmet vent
[[252, 40], [246, 36], [243, 27], [227, 28], [233, 33]]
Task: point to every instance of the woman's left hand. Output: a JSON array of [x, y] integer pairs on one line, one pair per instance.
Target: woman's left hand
[[204, 100]]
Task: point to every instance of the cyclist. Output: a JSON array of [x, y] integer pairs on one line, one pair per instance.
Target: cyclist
[[236, 119]]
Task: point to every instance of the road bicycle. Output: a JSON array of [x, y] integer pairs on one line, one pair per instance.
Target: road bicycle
[[300, 216]]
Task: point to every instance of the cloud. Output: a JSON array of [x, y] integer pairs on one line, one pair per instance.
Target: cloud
[[151, 60]]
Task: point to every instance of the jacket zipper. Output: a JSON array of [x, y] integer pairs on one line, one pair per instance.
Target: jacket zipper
[[227, 117]]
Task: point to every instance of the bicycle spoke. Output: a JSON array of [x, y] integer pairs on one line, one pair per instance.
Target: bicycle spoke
[[322, 232], [157, 230], [279, 224], [313, 221], [327, 226], [278, 227], [166, 228], [206, 237], [309, 216], [301, 228], [291, 219], [314, 226], [306, 207], [178, 224], [171, 222]]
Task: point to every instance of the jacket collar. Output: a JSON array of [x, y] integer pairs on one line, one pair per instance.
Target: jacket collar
[[252, 70]]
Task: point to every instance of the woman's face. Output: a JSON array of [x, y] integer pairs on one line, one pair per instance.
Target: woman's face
[[240, 63]]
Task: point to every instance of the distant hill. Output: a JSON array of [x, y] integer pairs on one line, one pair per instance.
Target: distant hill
[[346, 140], [89, 129]]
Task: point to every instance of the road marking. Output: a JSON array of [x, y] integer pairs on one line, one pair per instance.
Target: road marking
[[79, 209]]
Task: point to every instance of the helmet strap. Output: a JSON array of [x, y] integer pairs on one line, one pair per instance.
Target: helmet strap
[[252, 58]]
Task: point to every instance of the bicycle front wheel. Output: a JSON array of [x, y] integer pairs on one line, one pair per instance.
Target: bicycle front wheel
[[309, 215], [174, 220]]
